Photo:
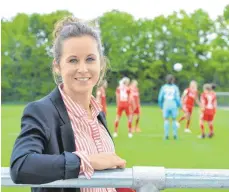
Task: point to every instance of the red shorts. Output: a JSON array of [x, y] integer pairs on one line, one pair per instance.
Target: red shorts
[[122, 108], [207, 117], [187, 109]]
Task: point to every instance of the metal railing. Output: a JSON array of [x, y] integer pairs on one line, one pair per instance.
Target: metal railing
[[143, 179]]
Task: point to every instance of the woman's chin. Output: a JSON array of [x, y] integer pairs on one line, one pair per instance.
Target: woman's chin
[[81, 87]]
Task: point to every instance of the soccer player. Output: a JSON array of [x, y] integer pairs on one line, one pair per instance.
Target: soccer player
[[188, 99], [169, 102], [101, 96], [209, 104], [135, 104], [123, 104]]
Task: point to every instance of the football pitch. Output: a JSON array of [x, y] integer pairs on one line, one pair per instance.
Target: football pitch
[[148, 147]]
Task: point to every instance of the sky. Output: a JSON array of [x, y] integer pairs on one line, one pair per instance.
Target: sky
[[90, 9]]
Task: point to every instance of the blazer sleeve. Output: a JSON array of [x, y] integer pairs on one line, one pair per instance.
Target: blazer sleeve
[[29, 164]]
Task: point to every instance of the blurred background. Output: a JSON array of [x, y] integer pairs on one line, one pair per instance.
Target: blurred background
[[142, 40]]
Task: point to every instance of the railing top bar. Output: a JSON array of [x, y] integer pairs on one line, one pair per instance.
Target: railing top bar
[[127, 173], [197, 178], [197, 172], [107, 178], [106, 174], [129, 177]]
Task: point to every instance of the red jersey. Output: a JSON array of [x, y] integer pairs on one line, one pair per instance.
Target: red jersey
[[123, 94], [190, 96], [101, 95], [208, 100]]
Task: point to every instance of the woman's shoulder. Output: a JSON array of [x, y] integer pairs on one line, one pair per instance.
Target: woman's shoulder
[[43, 105]]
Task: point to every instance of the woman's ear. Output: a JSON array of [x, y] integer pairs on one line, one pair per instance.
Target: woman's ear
[[56, 67]]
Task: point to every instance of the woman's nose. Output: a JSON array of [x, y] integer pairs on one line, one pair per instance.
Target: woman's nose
[[82, 67]]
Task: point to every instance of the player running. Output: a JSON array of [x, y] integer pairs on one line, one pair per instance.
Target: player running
[[188, 99]]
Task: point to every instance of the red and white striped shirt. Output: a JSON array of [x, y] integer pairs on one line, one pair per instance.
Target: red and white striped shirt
[[91, 137]]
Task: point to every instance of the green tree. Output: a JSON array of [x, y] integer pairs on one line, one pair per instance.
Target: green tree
[[143, 49], [26, 56]]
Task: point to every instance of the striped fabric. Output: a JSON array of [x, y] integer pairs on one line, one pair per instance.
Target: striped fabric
[[91, 137]]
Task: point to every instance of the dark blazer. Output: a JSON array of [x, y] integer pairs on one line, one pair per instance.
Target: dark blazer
[[43, 150]]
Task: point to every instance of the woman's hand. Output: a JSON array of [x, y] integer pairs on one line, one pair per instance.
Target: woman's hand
[[104, 160]]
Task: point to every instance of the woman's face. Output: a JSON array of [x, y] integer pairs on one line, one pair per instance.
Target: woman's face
[[79, 64]]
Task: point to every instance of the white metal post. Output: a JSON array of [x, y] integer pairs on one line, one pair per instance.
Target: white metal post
[[148, 179]]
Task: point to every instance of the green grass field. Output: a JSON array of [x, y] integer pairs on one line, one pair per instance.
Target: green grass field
[[148, 147]]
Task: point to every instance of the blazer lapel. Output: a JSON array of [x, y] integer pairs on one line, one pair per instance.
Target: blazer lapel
[[67, 134], [67, 137]]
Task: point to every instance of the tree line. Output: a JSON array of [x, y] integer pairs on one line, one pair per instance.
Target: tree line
[[142, 49]]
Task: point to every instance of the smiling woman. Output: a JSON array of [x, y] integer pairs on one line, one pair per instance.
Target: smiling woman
[[65, 134], [79, 66], [73, 54]]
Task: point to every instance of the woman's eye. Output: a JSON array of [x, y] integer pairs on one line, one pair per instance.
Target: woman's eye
[[73, 61], [90, 59]]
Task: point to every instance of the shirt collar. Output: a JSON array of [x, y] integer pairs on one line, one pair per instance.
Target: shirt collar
[[76, 109]]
